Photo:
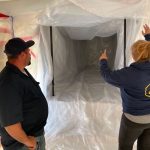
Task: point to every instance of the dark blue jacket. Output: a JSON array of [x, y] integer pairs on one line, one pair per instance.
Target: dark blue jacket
[[134, 84]]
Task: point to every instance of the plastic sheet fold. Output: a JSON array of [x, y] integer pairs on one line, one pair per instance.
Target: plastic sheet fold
[[85, 112]]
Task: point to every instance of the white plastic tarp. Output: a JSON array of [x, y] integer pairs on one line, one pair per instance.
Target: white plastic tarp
[[85, 111]]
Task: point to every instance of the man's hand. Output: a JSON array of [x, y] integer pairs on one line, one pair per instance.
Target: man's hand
[[146, 30], [31, 144], [16, 131], [103, 55]]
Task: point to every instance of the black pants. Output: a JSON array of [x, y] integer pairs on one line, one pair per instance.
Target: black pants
[[130, 132]]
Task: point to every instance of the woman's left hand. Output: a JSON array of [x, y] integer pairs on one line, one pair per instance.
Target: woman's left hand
[[103, 55], [146, 30]]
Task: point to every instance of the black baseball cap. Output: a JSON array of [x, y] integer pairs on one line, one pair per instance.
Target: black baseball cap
[[16, 45]]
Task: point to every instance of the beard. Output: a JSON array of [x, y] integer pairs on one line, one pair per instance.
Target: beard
[[29, 63]]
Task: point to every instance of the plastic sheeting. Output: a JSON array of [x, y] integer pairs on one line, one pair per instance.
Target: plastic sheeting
[[89, 13], [73, 56], [77, 8], [77, 123], [102, 30], [108, 29], [85, 112], [84, 108]]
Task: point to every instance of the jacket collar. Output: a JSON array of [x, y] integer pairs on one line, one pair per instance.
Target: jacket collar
[[15, 69], [145, 65]]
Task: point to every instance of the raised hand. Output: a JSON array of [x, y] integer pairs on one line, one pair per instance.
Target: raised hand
[[146, 29], [103, 55]]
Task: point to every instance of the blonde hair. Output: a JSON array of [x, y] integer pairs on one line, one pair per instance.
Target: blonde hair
[[141, 50]]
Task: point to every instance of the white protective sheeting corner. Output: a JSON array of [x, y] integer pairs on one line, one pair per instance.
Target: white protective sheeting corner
[[85, 112]]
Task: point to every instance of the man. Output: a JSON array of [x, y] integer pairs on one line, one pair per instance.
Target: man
[[23, 107]]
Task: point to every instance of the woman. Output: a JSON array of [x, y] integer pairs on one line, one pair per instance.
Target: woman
[[134, 84]]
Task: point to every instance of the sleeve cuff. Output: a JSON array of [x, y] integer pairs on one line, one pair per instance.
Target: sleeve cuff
[[147, 37], [103, 61]]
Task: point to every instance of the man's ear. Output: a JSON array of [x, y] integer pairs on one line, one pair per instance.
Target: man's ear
[[22, 54]]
